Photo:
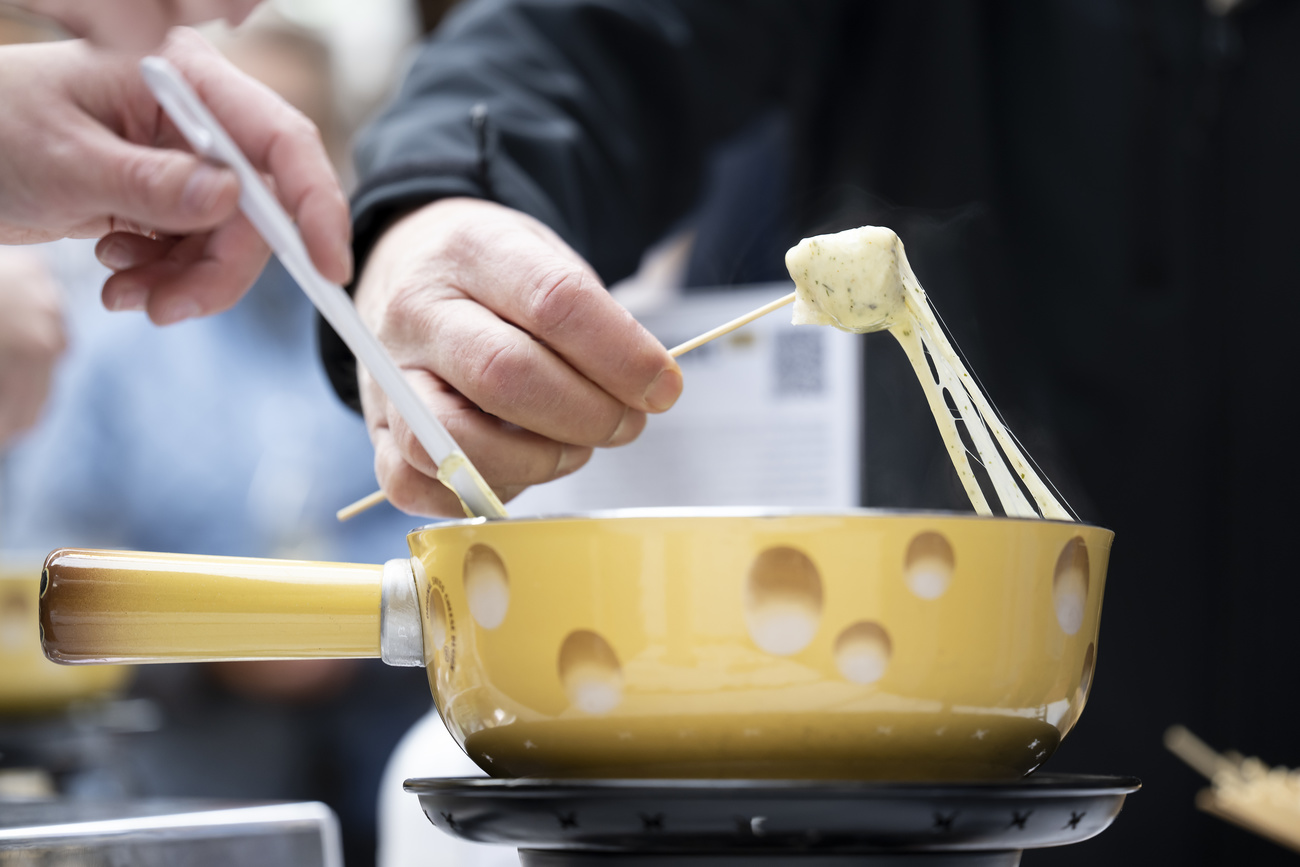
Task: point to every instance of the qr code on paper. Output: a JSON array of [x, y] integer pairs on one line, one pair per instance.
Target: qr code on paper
[[800, 362]]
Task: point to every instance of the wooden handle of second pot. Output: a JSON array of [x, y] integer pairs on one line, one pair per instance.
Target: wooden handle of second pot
[[129, 606]]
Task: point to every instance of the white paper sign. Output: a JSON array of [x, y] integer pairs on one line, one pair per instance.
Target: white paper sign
[[770, 416]]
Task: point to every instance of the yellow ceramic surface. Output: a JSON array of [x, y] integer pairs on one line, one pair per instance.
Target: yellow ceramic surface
[[30, 683], [722, 644], [670, 643], [133, 606]]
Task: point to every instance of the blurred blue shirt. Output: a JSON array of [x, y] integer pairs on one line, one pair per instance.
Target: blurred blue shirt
[[216, 436]]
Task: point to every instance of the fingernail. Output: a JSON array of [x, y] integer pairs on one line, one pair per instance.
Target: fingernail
[[348, 264], [665, 390], [178, 310], [115, 255], [620, 437], [571, 457], [203, 189], [128, 299]]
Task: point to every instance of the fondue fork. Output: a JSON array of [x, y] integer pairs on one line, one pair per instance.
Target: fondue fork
[[206, 135]]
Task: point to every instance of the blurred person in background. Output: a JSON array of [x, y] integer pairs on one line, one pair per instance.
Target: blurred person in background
[[221, 436], [32, 338], [133, 25], [85, 153], [1092, 192], [113, 182]]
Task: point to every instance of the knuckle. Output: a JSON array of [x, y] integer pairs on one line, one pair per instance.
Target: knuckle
[[141, 177], [298, 133], [497, 363], [459, 234], [406, 307], [73, 149], [461, 244], [295, 139], [182, 38], [555, 299], [302, 130], [409, 316]]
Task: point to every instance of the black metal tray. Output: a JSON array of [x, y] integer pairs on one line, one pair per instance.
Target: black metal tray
[[742, 817]]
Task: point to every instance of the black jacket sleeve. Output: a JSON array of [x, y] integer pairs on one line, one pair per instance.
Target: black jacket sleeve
[[594, 116]]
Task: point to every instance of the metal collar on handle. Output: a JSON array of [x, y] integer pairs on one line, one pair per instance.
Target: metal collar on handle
[[401, 637]]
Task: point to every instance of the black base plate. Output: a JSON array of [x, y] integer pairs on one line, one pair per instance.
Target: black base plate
[[786, 823]]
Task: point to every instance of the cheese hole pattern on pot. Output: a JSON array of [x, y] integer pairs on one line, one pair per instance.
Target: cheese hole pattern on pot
[[438, 615], [1080, 697], [929, 565], [862, 652], [783, 601], [487, 588], [1085, 679], [1070, 585], [590, 672]]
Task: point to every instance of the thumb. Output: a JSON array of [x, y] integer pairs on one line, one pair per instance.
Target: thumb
[[166, 190]]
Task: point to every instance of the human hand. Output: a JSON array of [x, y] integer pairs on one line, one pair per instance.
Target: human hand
[[32, 338], [134, 24], [86, 152], [512, 340]]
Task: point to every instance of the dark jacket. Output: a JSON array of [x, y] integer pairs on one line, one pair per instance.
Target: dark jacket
[[1099, 196]]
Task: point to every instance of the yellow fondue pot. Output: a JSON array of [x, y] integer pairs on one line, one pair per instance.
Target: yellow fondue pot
[[713, 643], [30, 683]]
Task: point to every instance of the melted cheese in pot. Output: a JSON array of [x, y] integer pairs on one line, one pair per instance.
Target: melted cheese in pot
[[860, 281]]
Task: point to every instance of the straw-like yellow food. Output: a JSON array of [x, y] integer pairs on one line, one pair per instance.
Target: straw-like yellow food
[[1257, 797], [860, 281], [1246, 791]]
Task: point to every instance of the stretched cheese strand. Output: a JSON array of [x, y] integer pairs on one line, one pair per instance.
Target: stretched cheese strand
[[919, 307], [860, 280], [913, 345]]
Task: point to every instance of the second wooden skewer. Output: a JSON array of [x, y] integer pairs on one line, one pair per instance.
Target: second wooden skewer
[[728, 327], [371, 500]]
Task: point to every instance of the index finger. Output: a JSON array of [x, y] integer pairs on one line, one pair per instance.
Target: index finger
[[279, 140], [537, 283]]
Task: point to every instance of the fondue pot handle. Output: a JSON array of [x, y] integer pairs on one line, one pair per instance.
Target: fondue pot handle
[[130, 606]]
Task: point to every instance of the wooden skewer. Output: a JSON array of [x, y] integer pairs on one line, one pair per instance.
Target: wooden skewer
[[372, 500], [728, 327], [369, 501], [1195, 753]]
